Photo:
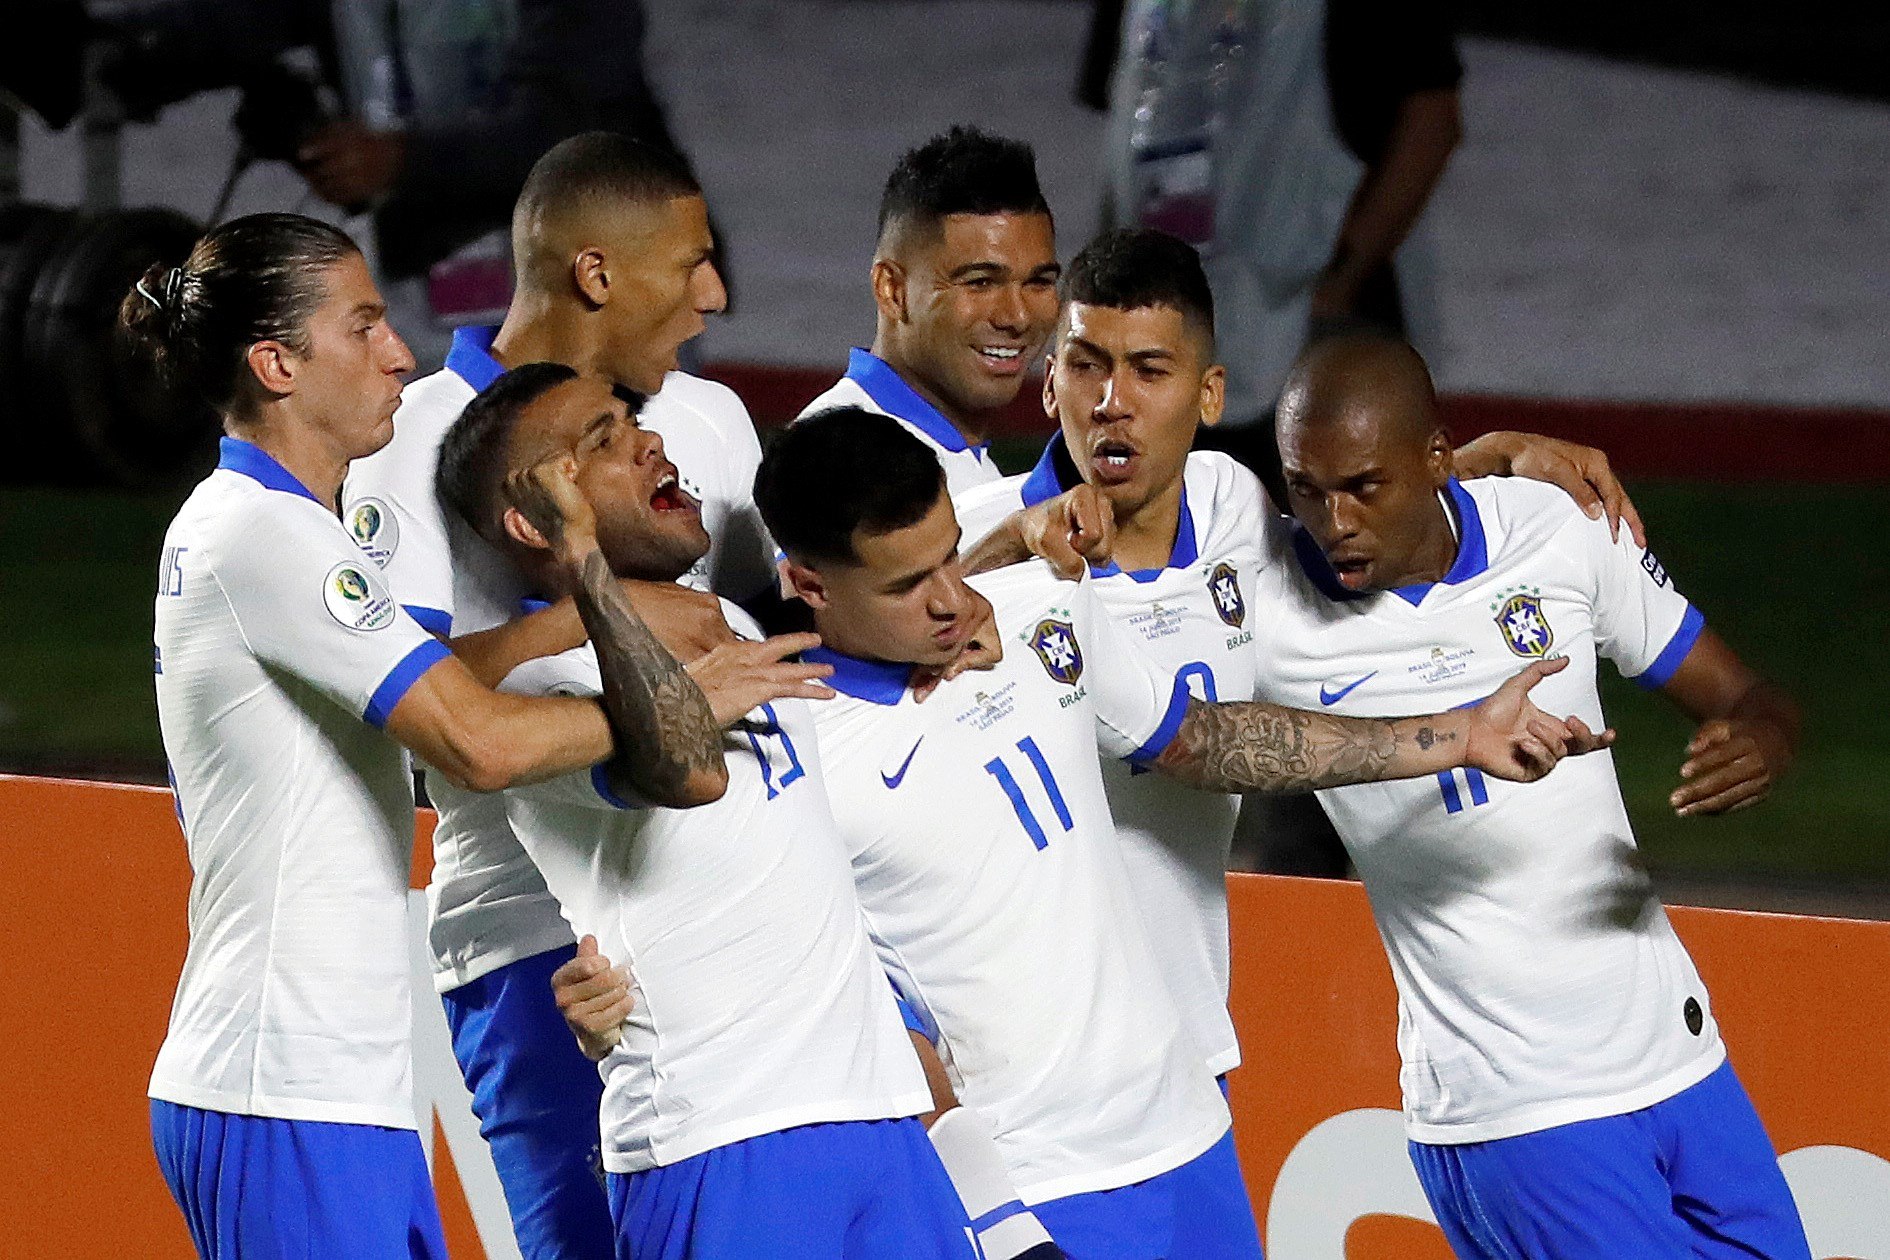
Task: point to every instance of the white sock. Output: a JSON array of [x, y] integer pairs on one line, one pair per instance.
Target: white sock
[[967, 1146]]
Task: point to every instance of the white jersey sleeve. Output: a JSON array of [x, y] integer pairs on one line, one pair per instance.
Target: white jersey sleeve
[[1139, 704], [312, 606], [1642, 622], [571, 673]]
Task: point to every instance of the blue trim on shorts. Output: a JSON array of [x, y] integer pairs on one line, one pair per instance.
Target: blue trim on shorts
[[400, 680]]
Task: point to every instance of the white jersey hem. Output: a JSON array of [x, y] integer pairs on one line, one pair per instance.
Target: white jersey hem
[[282, 1108], [1221, 1064], [1569, 1111], [675, 1151], [1149, 1166], [447, 977]]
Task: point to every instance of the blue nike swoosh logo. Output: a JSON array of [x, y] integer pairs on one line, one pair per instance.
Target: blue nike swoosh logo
[[1328, 696], [894, 780]]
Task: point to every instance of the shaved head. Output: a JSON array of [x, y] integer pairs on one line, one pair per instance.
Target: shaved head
[[592, 188], [1374, 386]]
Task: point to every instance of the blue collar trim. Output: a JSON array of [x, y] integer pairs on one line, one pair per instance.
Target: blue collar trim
[[1056, 472], [877, 682], [471, 359], [1473, 555], [259, 465], [887, 388]]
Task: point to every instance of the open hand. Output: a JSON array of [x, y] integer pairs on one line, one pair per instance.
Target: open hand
[[594, 998], [1511, 738], [1731, 763], [742, 675]]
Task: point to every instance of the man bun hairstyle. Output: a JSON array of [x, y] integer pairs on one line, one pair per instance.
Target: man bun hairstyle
[[470, 477], [963, 171], [1130, 269], [839, 471], [257, 278]]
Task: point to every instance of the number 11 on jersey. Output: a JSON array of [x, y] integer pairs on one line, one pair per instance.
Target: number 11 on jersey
[[1020, 804]]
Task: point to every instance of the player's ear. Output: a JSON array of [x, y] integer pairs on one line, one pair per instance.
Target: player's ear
[[1213, 395], [889, 290], [590, 274], [522, 531], [273, 366], [1438, 459], [1050, 386], [802, 583]]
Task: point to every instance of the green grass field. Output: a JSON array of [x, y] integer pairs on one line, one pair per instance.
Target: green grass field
[[1796, 577]]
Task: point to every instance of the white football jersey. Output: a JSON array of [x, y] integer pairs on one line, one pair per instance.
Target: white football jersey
[[280, 654], [1539, 982], [871, 383], [759, 1002], [1194, 618], [985, 859], [489, 906]]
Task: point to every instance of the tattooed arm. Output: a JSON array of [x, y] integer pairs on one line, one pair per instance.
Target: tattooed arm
[[668, 743], [1258, 747]]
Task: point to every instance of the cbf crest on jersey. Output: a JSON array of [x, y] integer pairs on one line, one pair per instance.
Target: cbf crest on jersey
[[375, 530], [1224, 587], [1525, 629], [1055, 644]]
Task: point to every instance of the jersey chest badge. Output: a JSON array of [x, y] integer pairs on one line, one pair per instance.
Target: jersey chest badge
[[1525, 629], [375, 530], [1224, 587], [1055, 644]]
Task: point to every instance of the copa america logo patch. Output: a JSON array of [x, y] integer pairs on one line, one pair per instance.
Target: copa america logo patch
[[1224, 586], [355, 598], [1525, 628], [1055, 644], [375, 530]]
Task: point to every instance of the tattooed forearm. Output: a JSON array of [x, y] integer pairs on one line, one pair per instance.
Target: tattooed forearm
[[669, 747], [1267, 748]]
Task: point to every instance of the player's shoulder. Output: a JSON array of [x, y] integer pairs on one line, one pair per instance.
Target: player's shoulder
[[740, 621], [572, 672], [711, 402], [845, 392], [427, 410], [981, 509], [1228, 482], [1520, 517], [1231, 509]]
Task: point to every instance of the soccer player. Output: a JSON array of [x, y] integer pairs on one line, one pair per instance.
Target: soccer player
[[281, 1104], [1131, 377], [1565, 1088], [612, 249], [760, 1101], [965, 281], [983, 849]]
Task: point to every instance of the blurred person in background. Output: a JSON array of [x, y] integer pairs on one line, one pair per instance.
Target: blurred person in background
[[965, 281]]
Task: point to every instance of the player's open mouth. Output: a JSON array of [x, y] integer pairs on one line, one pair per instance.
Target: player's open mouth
[[1003, 360], [1351, 570], [671, 497], [1115, 461]]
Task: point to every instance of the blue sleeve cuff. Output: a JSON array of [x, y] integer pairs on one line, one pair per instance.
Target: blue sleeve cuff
[[1171, 726], [400, 679], [600, 779], [913, 1020], [1668, 663], [432, 620]]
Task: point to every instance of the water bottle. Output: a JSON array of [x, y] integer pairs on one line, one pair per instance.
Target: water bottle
[[1189, 52]]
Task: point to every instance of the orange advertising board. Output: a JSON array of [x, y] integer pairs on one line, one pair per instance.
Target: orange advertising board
[[96, 932]]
